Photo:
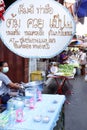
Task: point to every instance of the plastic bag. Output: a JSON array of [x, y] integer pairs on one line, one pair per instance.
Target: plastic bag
[[86, 77]]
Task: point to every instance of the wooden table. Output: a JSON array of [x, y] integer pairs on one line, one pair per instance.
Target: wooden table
[[61, 84]]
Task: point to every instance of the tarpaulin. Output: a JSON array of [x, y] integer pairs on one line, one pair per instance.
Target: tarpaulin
[[81, 10]]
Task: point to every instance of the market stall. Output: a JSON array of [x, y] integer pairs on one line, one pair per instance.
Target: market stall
[[63, 74], [39, 35], [44, 116]]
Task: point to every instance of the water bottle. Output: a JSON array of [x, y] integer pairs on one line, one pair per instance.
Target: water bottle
[[39, 95], [11, 116], [19, 106], [10, 104]]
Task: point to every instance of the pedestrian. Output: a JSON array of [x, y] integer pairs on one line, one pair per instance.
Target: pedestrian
[[82, 60]]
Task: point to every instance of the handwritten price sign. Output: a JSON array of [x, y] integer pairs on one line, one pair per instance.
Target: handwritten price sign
[[37, 29]]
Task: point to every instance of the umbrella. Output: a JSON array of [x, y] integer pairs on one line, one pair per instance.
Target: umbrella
[[84, 44], [76, 43]]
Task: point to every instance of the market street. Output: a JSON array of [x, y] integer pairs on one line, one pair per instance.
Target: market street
[[75, 112]]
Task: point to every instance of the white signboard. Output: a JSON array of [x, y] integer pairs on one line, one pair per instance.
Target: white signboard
[[37, 28]]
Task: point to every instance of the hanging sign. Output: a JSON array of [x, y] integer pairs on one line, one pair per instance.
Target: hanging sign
[[36, 28]]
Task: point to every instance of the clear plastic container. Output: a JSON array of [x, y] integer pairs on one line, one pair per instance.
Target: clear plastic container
[[30, 97]]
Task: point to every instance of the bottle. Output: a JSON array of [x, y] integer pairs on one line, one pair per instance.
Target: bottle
[[19, 106], [12, 116], [39, 95], [19, 115]]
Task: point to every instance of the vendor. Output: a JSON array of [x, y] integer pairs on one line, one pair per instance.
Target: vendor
[[63, 57], [5, 83]]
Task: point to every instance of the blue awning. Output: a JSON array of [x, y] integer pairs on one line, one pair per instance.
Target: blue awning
[[82, 9]]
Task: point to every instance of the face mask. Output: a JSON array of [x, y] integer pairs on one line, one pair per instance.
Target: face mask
[[5, 69]]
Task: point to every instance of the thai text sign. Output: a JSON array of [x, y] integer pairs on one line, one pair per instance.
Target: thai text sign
[[37, 29]]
